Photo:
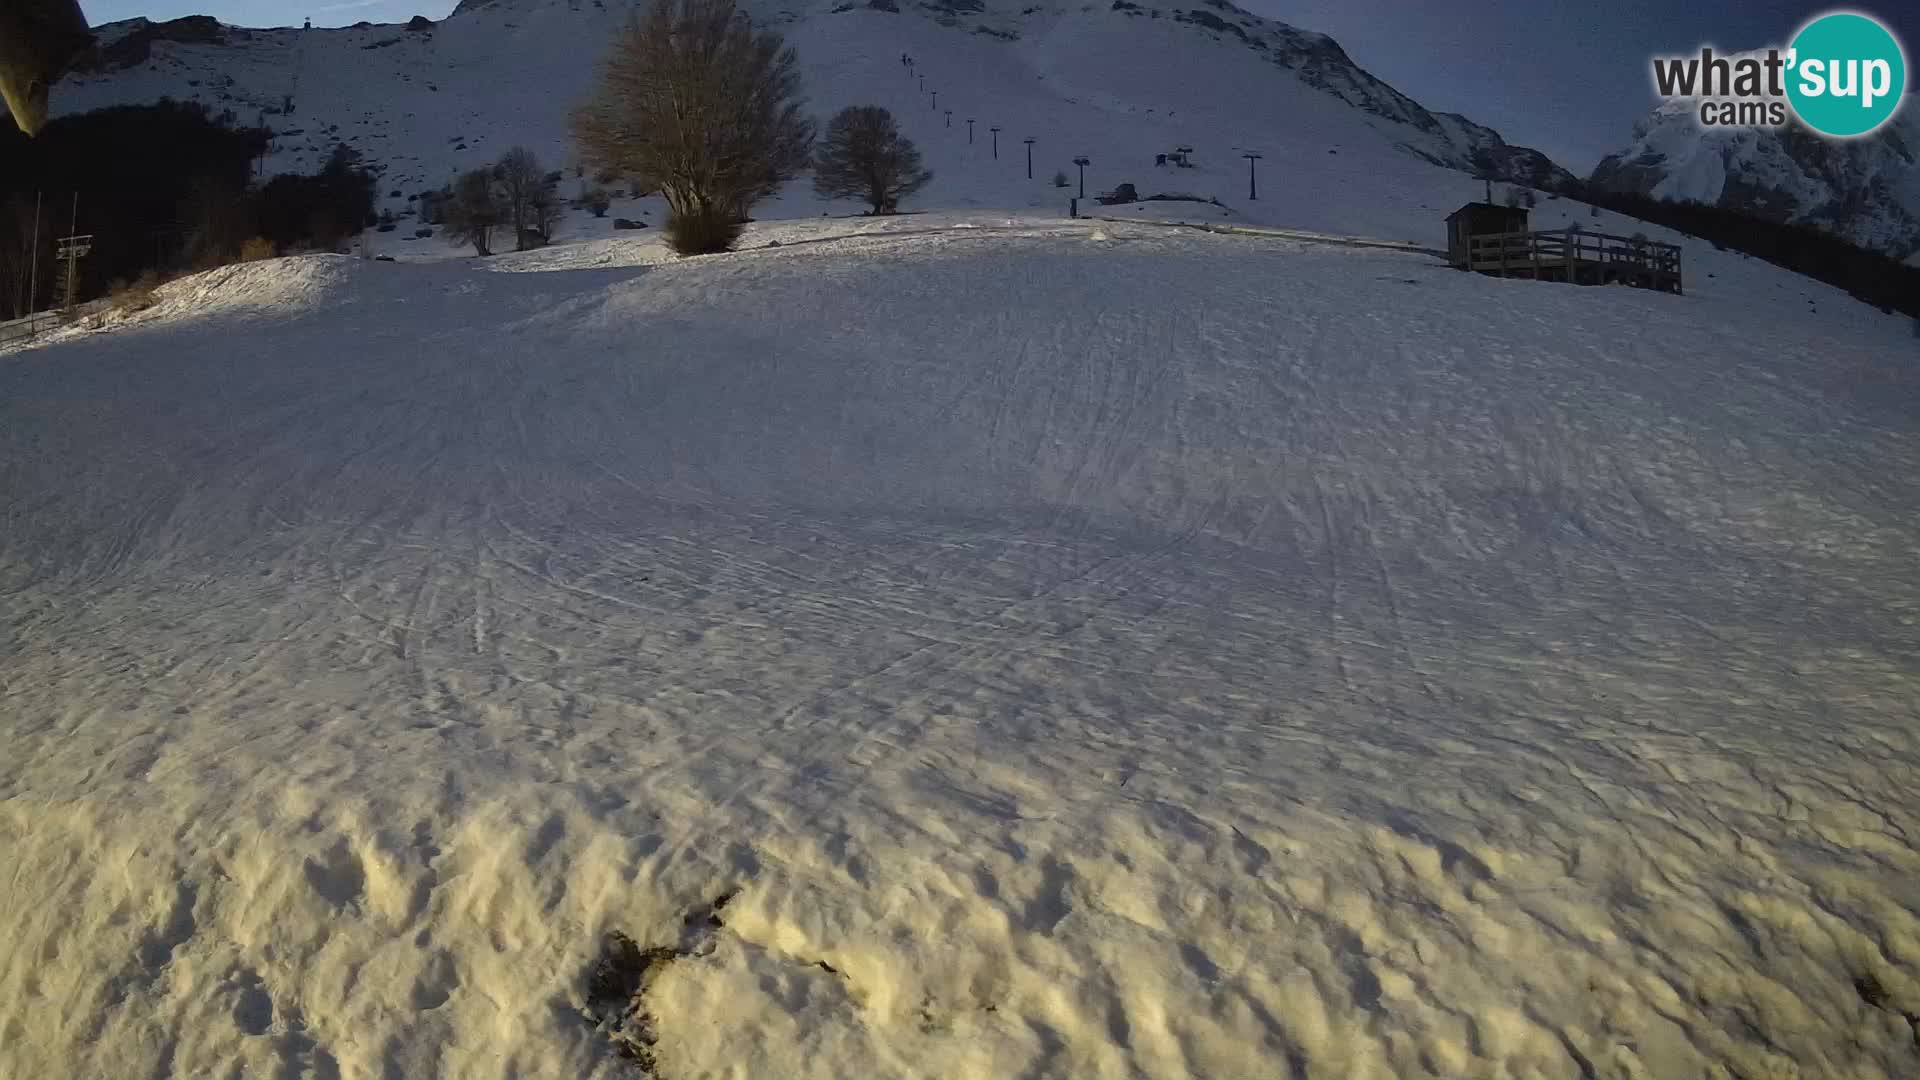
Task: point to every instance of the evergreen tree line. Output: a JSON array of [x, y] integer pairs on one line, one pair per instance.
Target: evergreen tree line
[[162, 188]]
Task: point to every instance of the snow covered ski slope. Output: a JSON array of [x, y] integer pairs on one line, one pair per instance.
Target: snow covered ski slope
[[1042, 649], [1343, 150]]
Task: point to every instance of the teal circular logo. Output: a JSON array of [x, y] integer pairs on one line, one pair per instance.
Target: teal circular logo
[[1846, 76]]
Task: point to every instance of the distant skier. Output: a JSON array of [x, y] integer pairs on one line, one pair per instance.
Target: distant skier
[[39, 40]]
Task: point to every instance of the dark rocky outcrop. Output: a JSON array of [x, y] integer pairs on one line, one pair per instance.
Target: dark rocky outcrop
[[136, 47]]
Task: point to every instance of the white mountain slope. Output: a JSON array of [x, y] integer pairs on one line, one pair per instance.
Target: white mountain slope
[[1118, 86], [970, 647], [1865, 190]]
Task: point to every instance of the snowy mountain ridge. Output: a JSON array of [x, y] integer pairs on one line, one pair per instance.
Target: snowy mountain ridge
[[1865, 190], [1125, 80]]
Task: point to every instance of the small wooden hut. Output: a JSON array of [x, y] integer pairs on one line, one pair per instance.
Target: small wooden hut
[[1480, 219]]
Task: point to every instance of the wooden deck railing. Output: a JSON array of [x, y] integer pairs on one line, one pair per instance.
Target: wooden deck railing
[[1575, 255]]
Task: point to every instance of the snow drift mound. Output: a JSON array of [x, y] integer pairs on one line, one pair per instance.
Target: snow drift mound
[[285, 288]]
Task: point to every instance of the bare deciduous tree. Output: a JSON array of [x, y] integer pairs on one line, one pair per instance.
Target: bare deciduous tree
[[544, 210], [473, 210], [523, 185], [864, 156], [696, 103]]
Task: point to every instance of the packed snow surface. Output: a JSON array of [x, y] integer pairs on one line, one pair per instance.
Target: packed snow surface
[[1077, 650]]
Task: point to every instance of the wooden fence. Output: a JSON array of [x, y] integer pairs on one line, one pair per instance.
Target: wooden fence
[[32, 326], [1300, 235]]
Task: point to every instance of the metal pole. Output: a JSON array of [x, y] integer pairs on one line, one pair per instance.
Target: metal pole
[[73, 263], [996, 142], [33, 273], [949, 117], [1082, 163], [969, 131], [1252, 192], [936, 101], [1029, 143]]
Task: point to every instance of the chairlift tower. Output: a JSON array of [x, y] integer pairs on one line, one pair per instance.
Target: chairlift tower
[[71, 250]]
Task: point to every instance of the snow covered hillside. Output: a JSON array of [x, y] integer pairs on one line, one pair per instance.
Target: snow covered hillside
[[1865, 190], [1118, 83], [962, 646]]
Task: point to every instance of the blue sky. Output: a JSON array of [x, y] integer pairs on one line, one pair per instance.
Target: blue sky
[[1565, 76], [270, 12], [1568, 77]]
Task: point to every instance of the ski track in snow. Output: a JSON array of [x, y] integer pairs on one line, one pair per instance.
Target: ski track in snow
[[1165, 655]]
